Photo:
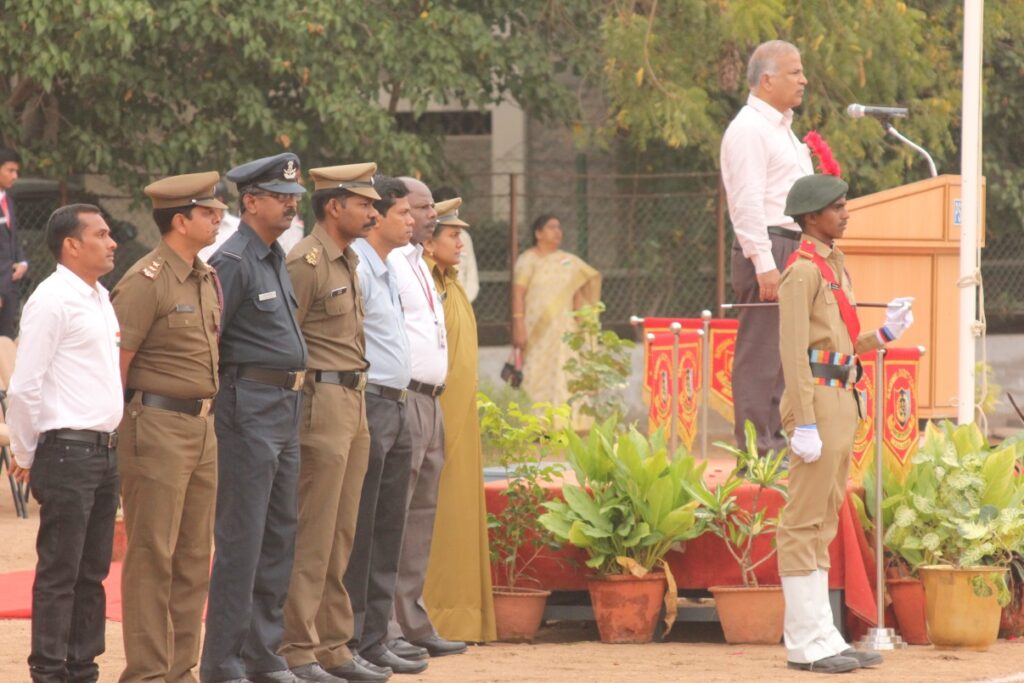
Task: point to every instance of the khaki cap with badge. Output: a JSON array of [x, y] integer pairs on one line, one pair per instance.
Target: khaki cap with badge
[[192, 189], [355, 178], [448, 213]]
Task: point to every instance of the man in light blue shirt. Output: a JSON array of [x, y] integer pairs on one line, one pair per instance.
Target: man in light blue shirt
[[373, 567]]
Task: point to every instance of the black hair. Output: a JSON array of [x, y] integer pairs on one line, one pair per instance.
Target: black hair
[[9, 155], [322, 197], [538, 223], [163, 217], [64, 223], [389, 190]]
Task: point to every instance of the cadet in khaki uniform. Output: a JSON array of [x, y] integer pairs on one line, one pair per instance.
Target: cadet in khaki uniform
[[168, 308], [335, 441], [819, 335]]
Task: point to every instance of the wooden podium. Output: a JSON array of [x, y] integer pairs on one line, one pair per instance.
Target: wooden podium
[[906, 242]]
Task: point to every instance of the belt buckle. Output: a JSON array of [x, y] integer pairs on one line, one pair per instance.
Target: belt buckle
[[437, 390], [205, 406], [403, 394], [298, 377], [112, 438], [361, 382]]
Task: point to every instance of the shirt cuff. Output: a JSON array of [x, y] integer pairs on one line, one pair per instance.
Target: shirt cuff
[[763, 262], [24, 461]]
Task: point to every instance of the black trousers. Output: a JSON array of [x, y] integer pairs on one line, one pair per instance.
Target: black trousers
[[76, 486], [254, 528], [373, 567], [9, 312], [757, 381]]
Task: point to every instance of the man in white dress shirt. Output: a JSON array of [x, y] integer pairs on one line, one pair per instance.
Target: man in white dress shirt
[[65, 402], [412, 635], [761, 159]]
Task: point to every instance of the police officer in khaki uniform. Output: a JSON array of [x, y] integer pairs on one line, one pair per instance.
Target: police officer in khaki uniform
[[335, 442], [819, 337], [168, 308]]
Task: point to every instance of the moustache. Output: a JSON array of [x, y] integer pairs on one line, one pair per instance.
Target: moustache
[[370, 224], [289, 214]]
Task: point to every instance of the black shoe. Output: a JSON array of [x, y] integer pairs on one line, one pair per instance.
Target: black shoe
[[385, 657], [371, 666], [283, 676], [439, 647], [836, 664], [314, 673], [406, 650], [865, 658], [353, 670]]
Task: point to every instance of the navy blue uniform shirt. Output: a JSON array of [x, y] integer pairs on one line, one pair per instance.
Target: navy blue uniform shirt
[[258, 324]]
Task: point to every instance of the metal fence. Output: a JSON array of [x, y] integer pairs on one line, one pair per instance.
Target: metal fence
[[660, 241]]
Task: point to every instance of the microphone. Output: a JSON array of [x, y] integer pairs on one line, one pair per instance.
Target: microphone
[[859, 111]]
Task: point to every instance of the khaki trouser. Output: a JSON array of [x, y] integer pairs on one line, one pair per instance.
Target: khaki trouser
[[335, 449], [168, 463], [816, 490]]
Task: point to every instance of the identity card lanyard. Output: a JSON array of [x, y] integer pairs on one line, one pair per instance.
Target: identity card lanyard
[[425, 286]]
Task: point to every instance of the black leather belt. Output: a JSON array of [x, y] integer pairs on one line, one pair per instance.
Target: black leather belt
[[200, 407], [86, 436], [432, 390], [351, 379], [785, 232], [389, 393], [288, 379]]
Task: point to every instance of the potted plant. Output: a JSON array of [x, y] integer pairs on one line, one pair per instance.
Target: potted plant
[[630, 507], [516, 537], [750, 613], [901, 559], [967, 523]]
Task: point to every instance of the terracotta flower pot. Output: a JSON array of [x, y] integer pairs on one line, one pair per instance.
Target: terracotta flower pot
[[909, 605], [518, 612], [120, 541], [626, 607], [956, 616], [749, 614]]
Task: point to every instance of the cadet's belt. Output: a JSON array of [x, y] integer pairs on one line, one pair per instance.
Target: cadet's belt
[[86, 436], [350, 379], [389, 393], [431, 390], [785, 232], [287, 379], [200, 407], [833, 369]]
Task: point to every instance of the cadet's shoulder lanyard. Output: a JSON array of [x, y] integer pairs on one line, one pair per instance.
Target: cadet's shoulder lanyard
[[848, 313]]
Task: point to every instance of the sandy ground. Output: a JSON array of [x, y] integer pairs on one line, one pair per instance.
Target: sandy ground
[[566, 651]]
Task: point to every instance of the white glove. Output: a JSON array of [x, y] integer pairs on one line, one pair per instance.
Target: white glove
[[806, 443], [898, 318]]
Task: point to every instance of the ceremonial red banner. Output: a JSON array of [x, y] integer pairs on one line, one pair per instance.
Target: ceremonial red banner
[[899, 417], [657, 383]]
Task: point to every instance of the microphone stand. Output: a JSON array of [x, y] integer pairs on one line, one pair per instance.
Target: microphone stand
[[891, 130]]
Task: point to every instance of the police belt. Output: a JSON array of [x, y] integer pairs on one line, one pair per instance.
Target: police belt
[[199, 407], [389, 393], [349, 379], [785, 232], [431, 390], [84, 436], [286, 379], [834, 369]]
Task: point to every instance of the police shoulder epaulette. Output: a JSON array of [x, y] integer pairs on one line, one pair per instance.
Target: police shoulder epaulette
[[312, 256], [807, 250], [152, 269], [231, 254]]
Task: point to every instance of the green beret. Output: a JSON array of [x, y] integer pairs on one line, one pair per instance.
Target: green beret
[[813, 193]]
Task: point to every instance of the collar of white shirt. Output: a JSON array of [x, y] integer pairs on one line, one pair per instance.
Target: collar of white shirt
[[773, 115], [77, 283]]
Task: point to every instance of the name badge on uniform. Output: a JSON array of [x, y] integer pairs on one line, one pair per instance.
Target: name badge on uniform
[[267, 296], [442, 341], [184, 308], [339, 291]]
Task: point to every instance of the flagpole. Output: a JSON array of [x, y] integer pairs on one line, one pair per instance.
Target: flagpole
[[970, 195]]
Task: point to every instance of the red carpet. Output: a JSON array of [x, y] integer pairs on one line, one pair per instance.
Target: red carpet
[[16, 594]]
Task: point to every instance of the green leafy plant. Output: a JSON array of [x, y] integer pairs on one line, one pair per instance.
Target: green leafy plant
[[631, 505], [735, 524], [523, 438], [960, 504], [599, 369]]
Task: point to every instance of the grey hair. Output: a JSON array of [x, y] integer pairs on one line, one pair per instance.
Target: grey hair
[[763, 61]]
